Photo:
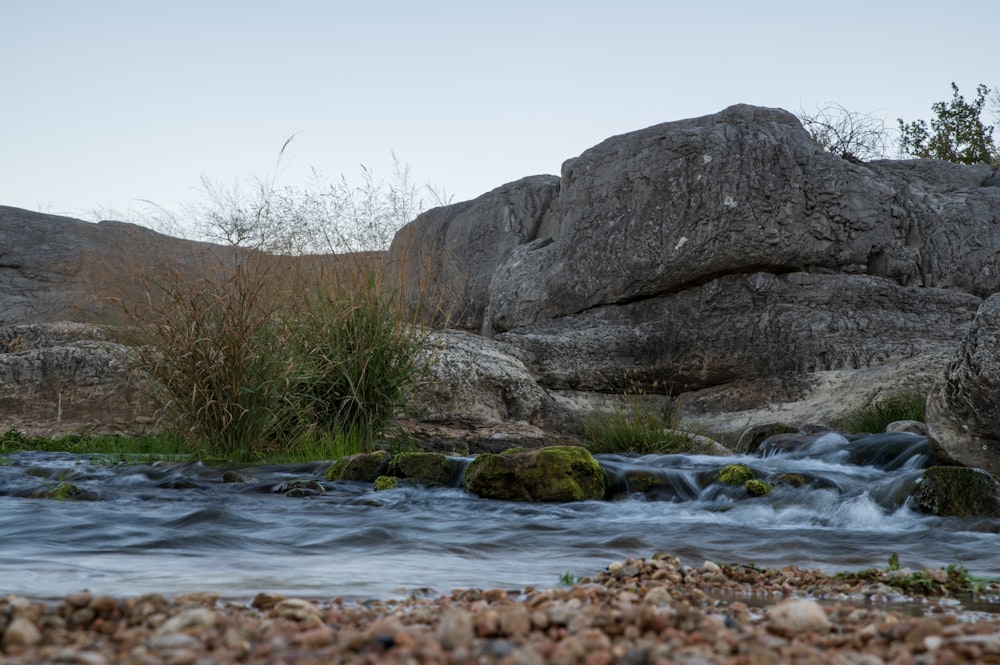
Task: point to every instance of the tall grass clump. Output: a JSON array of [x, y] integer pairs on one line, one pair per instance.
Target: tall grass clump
[[357, 355], [266, 351], [214, 350], [874, 417], [640, 423]]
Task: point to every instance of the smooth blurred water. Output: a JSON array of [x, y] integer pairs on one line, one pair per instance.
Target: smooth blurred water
[[175, 528]]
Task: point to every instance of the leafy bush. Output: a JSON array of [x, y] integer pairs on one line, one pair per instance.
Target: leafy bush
[[876, 416], [956, 134]]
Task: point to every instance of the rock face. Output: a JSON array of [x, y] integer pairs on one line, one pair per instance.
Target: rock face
[[66, 377], [62, 269], [744, 191], [557, 474], [727, 253], [453, 251], [963, 409]]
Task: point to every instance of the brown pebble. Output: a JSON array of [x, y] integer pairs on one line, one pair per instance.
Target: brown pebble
[[797, 616], [455, 629], [314, 638], [265, 601], [21, 632], [78, 599]]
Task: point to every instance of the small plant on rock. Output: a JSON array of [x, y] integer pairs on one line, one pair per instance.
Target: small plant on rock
[[641, 424], [874, 417]]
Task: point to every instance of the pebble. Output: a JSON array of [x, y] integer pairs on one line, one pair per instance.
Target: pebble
[[21, 632], [792, 617]]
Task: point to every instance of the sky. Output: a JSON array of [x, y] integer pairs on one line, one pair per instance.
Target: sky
[[109, 104]]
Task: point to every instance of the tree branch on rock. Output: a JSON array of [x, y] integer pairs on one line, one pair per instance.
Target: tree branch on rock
[[853, 135]]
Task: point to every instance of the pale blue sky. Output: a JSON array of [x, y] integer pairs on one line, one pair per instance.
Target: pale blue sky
[[105, 102]]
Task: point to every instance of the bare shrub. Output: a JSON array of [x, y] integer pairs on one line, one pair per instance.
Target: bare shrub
[[852, 135]]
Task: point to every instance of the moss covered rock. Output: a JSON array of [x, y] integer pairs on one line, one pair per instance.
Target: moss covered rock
[[958, 491], [425, 468], [386, 483], [758, 487], [364, 467], [735, 474], [553, 474]]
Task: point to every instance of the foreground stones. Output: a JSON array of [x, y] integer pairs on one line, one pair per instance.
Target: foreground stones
[[637, 611]]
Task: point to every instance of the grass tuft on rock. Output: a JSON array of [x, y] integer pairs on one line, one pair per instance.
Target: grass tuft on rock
[[873, 418], [640, 423]]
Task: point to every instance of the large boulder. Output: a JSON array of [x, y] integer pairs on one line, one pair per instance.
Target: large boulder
[[963, 409], [732, 251], [956, 491], [553, 474], [661, 210]]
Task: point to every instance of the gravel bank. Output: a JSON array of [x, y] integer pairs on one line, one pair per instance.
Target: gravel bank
[[636, 612]]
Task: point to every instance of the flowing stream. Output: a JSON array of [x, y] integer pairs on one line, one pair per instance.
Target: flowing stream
[[176, 527]]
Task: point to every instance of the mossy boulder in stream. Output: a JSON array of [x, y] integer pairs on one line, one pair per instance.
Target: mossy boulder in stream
[[553, 474], [364, 467], [425, 468], [958, 491]]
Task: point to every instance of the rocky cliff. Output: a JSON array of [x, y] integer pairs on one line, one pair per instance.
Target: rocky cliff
[[727, 252], [726, 258]]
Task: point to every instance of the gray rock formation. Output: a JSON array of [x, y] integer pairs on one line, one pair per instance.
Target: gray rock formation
[[963, 409], [478, 379], [727, 257], [67, 377], [452, 252], [62, 269], [659, 211], [731, 252]]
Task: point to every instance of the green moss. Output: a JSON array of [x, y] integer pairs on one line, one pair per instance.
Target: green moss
[[386, 483], [735, 474], [63, 491], [428, 468], [640, 423], [957, 491], [556, 473], [364, 467], [758, 487], [952, 580]]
